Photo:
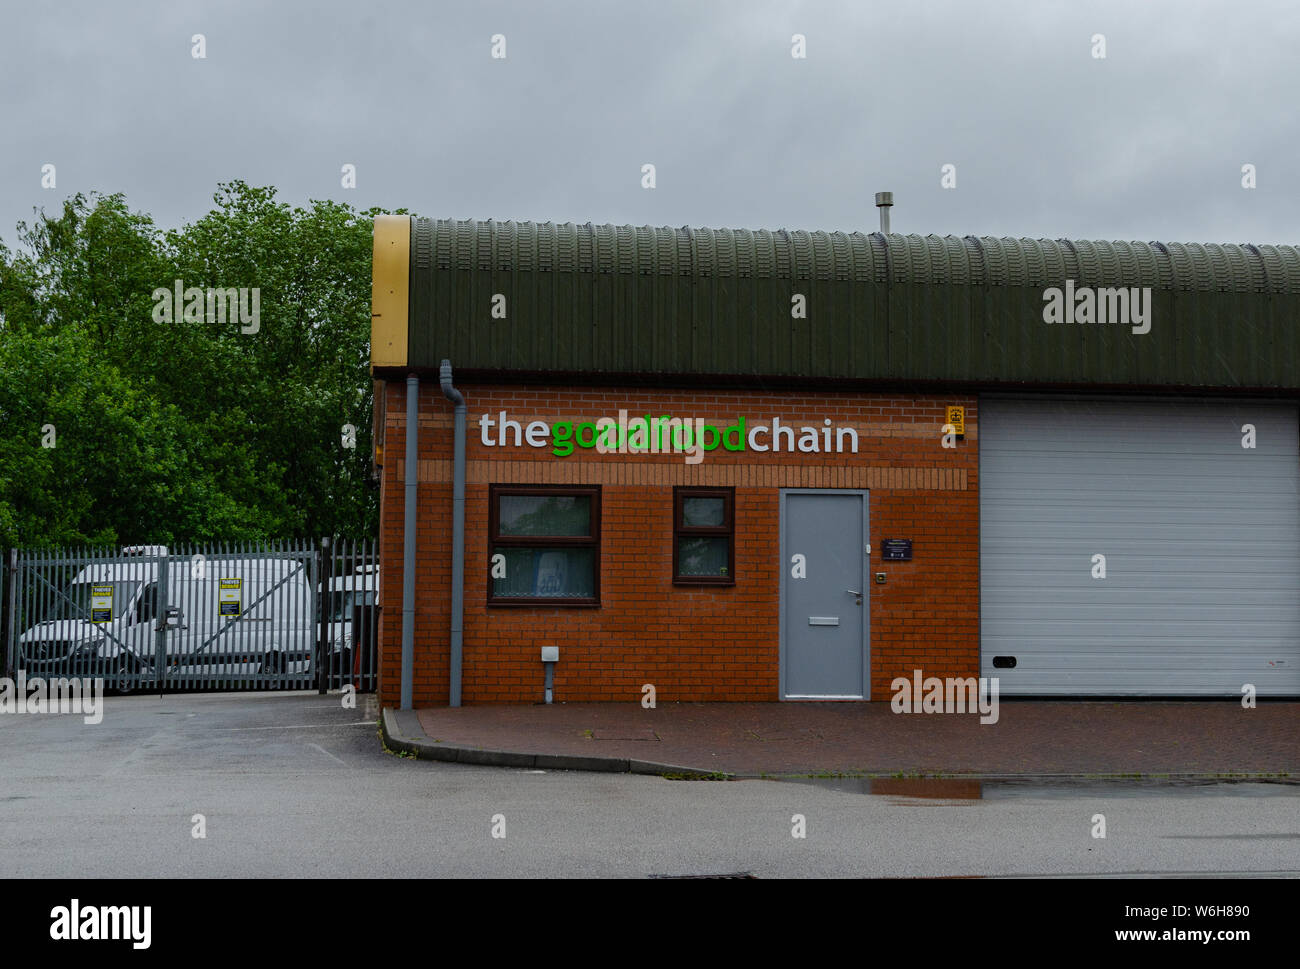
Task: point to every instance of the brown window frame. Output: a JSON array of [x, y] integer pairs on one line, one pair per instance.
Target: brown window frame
[[727, 530], [496, 540]]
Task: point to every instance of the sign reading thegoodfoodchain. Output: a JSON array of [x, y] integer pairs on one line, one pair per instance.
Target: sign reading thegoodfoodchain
[[648, 434]]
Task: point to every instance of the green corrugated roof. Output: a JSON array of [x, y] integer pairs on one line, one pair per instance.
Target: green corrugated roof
[[802, 254], [676, 302]]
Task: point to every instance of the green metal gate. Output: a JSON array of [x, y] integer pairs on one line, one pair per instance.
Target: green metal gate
[[224, 616]]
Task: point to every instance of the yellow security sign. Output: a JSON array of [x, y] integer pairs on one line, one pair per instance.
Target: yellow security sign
[[957, 418], [229, 594], [101, 603]]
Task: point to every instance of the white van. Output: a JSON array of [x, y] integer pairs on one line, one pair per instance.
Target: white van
[[230, 616], [358, 588]]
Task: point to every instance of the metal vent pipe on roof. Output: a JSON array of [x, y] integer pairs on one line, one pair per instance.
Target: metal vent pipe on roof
[[884, 201]]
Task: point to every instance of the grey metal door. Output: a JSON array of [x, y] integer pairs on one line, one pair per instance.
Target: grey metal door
[[824, 604]]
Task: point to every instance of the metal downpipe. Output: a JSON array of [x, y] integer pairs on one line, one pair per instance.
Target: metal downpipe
[[457, 532], [409, 537]]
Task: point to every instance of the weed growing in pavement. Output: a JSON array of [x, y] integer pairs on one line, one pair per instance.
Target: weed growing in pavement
[[406, 754], [693, 776]]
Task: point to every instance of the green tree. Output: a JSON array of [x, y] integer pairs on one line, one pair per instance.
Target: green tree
[[185, 430]]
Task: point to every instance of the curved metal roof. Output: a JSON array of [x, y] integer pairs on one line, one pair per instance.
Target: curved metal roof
[[866, 257], [603, 301]]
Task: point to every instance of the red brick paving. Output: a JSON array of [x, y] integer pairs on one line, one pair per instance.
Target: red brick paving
[[1030, 737]]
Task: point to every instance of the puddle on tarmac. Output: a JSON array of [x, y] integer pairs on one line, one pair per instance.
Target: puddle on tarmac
[[962, 789]]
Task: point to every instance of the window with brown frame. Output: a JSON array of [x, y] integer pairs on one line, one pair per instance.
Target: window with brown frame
[[704, 536], [543, 545]]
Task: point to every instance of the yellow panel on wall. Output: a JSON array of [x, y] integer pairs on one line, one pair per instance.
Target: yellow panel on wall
[[390, 282]]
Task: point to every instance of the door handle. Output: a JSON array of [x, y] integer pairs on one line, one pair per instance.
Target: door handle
[[853, 592]]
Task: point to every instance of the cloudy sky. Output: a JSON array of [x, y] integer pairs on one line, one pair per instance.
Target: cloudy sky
[[1047, 139]]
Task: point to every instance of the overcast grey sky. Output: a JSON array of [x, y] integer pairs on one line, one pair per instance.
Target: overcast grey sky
[[1047, 140]]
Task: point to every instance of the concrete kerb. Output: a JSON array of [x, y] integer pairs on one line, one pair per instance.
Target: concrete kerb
[[402, 732]]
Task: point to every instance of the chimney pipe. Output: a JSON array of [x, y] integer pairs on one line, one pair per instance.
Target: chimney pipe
[[884, 200]]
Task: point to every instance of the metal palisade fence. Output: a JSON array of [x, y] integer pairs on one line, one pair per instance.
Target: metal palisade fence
[[224, 616]]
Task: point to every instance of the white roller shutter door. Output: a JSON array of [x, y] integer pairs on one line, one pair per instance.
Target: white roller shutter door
[[1201, 539]]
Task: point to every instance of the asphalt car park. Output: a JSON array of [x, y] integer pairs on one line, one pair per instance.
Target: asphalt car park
[[298, 784]]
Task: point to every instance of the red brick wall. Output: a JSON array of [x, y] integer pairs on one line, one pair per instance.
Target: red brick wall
[[712, 643]]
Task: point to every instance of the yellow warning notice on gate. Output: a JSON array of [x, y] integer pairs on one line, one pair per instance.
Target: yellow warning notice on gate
[[957, 418], [101, 603], [229, 597]]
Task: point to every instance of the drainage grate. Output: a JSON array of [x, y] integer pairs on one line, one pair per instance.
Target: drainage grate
[[734, 874]]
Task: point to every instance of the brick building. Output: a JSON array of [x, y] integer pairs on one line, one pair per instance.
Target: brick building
[[727, 464]]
